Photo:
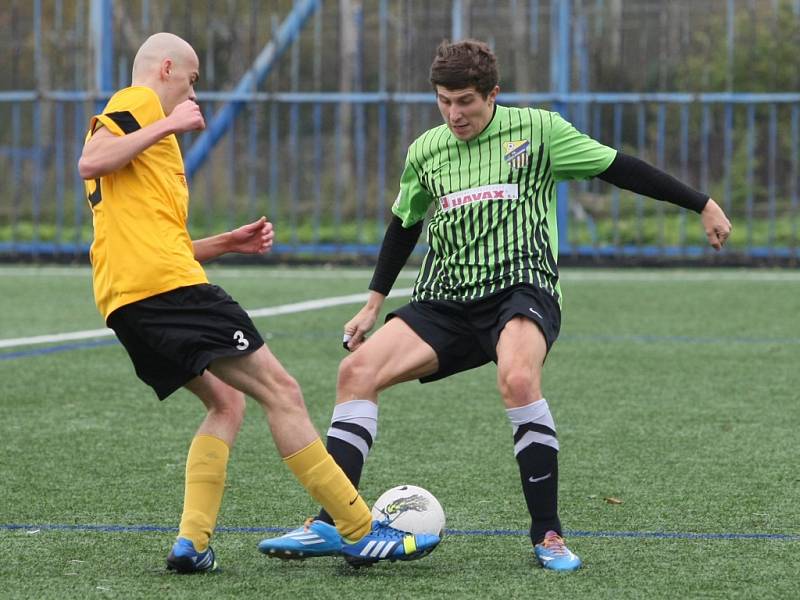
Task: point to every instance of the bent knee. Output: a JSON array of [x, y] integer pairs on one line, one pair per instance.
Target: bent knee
[[231, 404], [519, 388], [355, 374]]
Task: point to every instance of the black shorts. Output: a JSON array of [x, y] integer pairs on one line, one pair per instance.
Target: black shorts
[[173, 337], [464, 335]]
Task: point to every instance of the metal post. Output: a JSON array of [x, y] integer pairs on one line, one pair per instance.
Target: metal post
[[793, 177], [533, 24], [36, 208], [383, 41], [684, 153], [37, 44], [560, 62], [731, 34], [102, 19], [457, 20], [360, 126]]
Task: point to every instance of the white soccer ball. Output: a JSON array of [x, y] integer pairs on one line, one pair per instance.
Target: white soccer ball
[[410, 508]]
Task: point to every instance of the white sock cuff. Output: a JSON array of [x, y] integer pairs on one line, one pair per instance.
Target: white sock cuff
[[535, 412], [347, 411], [361, 412]]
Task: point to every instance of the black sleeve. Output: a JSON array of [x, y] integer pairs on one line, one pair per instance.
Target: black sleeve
[[631, 173], [398, 243]]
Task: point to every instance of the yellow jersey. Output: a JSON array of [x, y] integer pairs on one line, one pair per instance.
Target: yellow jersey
[[141, 243]]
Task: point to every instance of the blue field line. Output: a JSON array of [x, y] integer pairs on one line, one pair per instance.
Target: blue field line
[[58, 348], [784, 537]]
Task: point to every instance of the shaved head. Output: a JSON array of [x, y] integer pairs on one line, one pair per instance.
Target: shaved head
[[168, 65], [156, 49]]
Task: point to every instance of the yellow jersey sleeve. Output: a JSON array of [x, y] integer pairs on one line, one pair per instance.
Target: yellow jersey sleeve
[[129, 110]]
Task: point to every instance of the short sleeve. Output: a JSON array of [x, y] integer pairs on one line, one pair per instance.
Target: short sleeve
[[413, 201], [129, 110], [574, 155]]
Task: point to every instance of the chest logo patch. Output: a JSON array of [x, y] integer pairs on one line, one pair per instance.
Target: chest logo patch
[[516, 153], [498, 191]]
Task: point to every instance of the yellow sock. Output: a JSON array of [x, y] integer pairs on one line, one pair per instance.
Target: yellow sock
[[205, 482], [326, 482]]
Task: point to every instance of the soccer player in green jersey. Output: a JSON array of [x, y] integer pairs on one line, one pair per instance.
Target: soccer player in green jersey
[[488, 287]]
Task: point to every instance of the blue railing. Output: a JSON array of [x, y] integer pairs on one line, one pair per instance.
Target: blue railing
[[324, 165], [328, 181]]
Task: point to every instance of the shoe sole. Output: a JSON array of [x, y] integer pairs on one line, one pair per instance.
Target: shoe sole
[[185, 566], [569, 570], [361, 561], [292, 555]]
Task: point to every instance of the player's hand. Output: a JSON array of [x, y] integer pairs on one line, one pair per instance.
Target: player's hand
[[186, 117], [716, 224], [253, 238], [356, 329]]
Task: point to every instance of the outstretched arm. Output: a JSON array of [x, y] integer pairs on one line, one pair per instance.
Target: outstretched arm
[[253, 238], [636, 175], [105, 152], [397, 246]]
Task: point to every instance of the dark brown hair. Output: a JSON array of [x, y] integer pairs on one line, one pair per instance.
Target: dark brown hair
[[468, 63]]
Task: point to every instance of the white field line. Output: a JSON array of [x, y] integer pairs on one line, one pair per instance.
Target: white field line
[[568, 275], [56, 337], [284, 309]]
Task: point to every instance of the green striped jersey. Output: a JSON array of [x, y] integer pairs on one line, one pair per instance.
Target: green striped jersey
[[494, 219]]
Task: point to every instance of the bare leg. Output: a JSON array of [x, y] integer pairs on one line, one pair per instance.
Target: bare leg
[[262, 376], [520, 356]]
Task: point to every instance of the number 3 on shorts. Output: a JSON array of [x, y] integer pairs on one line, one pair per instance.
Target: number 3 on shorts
[[242, 343]]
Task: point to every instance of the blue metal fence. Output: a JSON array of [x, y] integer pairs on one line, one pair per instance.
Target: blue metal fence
[[323, 165]]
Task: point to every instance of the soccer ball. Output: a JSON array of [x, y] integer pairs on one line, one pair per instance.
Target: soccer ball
[[410, 508]]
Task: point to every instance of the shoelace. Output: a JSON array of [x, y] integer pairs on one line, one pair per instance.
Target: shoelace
[[555, 543], [388, 531], [308, 523]]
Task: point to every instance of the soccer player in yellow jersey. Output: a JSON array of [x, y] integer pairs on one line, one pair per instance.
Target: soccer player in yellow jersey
[[179, 330]]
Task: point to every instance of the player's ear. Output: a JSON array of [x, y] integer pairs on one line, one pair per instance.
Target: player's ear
[[166, 68]]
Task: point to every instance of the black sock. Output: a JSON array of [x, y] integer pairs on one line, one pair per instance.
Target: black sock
[[536, 449], [538, 469], [350, 459]]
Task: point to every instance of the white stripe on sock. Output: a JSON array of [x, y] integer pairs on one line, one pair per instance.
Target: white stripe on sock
[[350, 438], [534, 437]]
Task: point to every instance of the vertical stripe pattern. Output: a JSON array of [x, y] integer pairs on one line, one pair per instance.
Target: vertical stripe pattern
[[487, 243]]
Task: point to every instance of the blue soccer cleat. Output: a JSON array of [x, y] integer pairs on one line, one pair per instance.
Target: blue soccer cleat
[[184, 559], [314, 538], [387, 543], [552, 553]]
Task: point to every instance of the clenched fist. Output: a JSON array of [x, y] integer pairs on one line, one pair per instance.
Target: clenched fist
[[186, 117]]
